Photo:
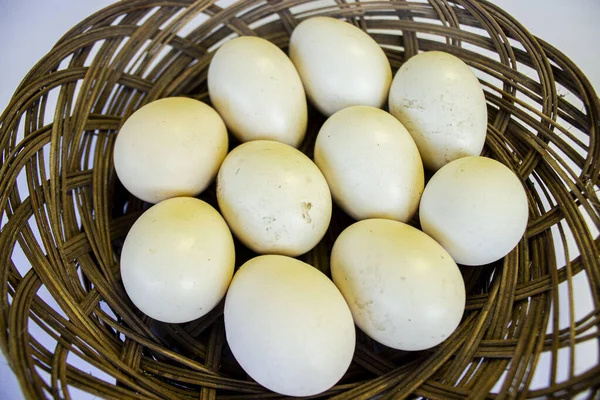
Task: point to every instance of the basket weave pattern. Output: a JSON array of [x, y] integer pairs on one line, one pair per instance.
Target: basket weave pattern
[[65, 212]]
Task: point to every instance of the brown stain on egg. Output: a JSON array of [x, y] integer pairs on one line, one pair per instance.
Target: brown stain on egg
[[306, 206]]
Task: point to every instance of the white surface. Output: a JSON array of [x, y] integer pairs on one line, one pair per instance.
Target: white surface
[[303, 344], [248, 65], [170, 147], [29, 28], [171, 269], [440, 84], [379, 264], [328, 54], [371, 163], [476, 208], [284, 210]]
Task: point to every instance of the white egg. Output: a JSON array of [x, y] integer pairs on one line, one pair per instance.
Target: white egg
[[256, 89], [170, 147], [340, 65], [177, 260], [288, 326], [476, 208], [274, 198], [404, 289], [371, 164], [440, 101]]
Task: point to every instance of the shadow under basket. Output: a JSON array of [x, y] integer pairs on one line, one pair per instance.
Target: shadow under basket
[[531, 326]]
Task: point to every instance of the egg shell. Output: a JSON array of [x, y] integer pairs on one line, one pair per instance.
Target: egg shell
[[177, 260], [371, 164], [288, 326], [256, 89], [170, 147], [403, 288], [476, 208], [274, 198], [440, 101], [340, 65]]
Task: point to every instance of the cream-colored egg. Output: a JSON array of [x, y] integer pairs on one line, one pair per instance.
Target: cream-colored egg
[[177, 260], [404, 289], [440, 101], [371, 164], [170, 147], [256, 89], [288, 326], [274, 198], [476, 208], [340, 65]]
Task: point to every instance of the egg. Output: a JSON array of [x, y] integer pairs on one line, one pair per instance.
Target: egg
[[288, 326], [371, 164], [340, 65], [170, 147], [404, 290], [476, 208], [440, 101], [274, 198], [256, 89], [177, 260]]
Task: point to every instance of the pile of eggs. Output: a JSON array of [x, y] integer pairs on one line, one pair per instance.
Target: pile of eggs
[[290, 327]]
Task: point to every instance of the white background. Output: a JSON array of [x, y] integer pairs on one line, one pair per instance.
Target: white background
[[29, 29]]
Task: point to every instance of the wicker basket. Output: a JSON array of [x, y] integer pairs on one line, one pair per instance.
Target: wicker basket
[[65, 313]]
